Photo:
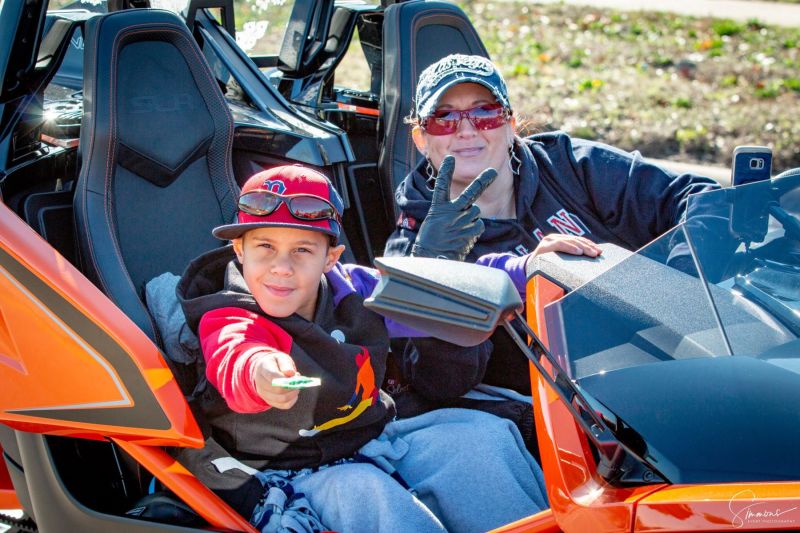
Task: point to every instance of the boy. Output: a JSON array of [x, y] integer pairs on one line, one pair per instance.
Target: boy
[[276, 304]]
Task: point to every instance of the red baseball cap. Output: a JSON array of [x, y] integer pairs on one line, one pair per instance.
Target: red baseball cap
[[288, 180]]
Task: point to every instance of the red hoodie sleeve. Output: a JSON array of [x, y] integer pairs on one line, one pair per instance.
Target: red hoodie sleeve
[[233, 340]]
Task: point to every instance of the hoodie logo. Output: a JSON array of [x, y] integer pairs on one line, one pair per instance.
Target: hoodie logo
[[565, 223], [406, 222]]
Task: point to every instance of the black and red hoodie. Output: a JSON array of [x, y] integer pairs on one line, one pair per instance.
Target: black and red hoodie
[[345, 346]]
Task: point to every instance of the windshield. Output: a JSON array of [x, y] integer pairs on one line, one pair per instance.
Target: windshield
[[693, 340]]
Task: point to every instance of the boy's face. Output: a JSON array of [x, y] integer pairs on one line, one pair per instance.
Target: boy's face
[[283, 266]]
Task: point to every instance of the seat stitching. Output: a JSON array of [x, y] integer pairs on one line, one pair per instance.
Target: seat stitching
[[165, 169], [85, 188], [227, 118]]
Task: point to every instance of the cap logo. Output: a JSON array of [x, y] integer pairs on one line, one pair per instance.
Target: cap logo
[[276, 186], [459, 63]]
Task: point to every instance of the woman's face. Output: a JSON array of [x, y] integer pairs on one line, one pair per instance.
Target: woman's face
[[475, 150]]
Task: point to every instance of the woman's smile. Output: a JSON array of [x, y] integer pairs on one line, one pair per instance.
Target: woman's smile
[[474, 151]]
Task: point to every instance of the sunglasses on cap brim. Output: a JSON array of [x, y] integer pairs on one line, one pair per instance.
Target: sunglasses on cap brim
[[484, 117], [261, 203]]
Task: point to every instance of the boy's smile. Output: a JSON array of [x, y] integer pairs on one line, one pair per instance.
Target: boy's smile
[[279, 291], [282, 267]]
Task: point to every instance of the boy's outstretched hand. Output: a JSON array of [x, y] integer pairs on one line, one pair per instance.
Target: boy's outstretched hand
[[452, 227], [270, 366]]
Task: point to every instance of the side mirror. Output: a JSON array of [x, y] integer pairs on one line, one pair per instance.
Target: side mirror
[[457, 302]]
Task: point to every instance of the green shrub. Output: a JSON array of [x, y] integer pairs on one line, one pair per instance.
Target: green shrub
[[726, 27], [730, 80], [584, 132], [793, 84], [682, 103], [770, 89], [590, 85]]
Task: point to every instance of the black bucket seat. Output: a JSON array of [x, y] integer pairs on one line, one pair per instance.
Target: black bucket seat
[[156, 172]]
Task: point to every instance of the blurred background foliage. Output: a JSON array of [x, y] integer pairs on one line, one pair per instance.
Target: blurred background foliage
[[673, 87]]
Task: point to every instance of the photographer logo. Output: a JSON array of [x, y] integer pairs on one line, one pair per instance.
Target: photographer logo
[[746, 510]]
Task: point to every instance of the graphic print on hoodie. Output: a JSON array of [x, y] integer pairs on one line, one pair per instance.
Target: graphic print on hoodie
[[366, 394]]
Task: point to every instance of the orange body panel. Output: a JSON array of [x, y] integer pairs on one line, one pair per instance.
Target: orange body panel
[[8, 499], [541, 522], [724, 507], [62, 345], [172, 474], [579, 499], [39, 356]]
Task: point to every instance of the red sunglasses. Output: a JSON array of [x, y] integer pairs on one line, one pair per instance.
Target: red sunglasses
[[301, 206], [484, 117]]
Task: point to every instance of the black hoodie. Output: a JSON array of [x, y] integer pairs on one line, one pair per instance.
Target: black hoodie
[[346, 345], [564, 185]]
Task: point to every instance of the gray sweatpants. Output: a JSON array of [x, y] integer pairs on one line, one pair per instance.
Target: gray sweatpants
[[469, 470]]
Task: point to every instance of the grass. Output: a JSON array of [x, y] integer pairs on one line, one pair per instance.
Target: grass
[[675, 87]]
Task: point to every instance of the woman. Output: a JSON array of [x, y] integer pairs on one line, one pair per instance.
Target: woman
[[551, 193]]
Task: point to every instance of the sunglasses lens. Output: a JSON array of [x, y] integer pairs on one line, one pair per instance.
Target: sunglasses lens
[[302, 207], [487, 118], [311, 208], [259, 203], [442, 122], [445, 122]]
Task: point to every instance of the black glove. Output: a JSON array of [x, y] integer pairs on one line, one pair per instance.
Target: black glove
[[452, 227]]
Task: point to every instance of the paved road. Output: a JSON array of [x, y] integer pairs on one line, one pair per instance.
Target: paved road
[[779, 14]]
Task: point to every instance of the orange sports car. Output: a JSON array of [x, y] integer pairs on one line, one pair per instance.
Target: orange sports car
[[665, 383]]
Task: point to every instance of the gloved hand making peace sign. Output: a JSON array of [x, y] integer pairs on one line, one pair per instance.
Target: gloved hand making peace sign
[[452, 227]]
